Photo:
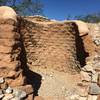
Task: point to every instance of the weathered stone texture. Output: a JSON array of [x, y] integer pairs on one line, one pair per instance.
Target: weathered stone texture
[[11, 65], [7, 13], [51, 46], [95, 36], [8, 62]]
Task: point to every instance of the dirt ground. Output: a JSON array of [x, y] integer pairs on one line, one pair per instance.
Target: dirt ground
[[56, 85]]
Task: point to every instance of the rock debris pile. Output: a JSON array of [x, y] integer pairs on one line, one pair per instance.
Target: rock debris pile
[[9, 93], [49, 45], [89, 87]]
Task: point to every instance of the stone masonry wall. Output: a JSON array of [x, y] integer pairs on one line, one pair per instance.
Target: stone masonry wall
[[45, 44], [9, 52], [13, 82], [89, 87], [51, 46]]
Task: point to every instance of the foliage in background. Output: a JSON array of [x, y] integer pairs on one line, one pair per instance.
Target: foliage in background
[[91, 18], [24, 7]]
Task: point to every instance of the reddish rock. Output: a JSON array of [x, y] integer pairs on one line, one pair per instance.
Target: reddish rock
[[98, 98], [4, 85], [38, 98], [30, 97], [92, 97], [5, 50], [7, 13], [27, 88], [11, 65], [5, 57], [18, 81]]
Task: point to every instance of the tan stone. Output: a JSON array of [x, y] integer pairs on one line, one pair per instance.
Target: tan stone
[[19, 81], [16, 98], [27, 88], [92, 97], [8, 97], [38, 98], [5, 72], [9, 35], [3, 86], [55, 50], [4, 49], [82, 27], [10, 49], [95, 77], [98, 98], [30, 97], [13, 74], [8, 28], [5, 57], [9, 65], [89, 47], [7, 13], [94, 89], [7, 42], [88, 68], [85, 76], [75, 96], [83, 98]]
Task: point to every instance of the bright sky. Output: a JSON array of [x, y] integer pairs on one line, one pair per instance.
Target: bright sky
[[59, 9]]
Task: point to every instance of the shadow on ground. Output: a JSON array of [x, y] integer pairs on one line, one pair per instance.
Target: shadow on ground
[[32, 78]]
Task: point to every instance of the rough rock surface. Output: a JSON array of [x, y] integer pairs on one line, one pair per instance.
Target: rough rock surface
[[11, 65], [82, 27], [8, 67], [51, 45], [86, 52], [7, 13]]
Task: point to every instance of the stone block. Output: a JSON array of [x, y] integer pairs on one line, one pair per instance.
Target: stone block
[[85, 76], [92, 97], [94, 89]]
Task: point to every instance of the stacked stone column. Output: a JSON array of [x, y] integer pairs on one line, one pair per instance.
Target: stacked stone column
[[13, 84], [10, 53]]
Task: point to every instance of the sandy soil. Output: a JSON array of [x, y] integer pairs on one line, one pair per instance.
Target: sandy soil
[[56, 85]]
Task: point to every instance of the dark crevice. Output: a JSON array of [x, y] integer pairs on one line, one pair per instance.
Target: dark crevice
[[80, 50], [32, 78]]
